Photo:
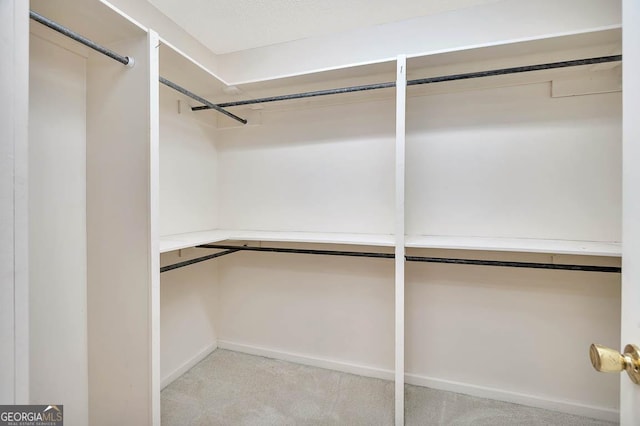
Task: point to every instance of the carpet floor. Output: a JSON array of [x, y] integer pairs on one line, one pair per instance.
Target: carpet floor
[[231, 388]]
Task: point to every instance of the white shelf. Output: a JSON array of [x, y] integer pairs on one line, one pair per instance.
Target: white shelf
[[526, 245], [192, 239], [386, 240], [585, 248]]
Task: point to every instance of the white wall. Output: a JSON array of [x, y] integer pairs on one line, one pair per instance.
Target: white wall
[[498, 22], [326, 169], [513, 334], [189, 302], [514, 162], [57, 224], [336, 309], [14, 288], [188, 168], [188, 202]]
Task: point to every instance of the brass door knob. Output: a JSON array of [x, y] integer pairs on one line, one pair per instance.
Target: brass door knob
[[607, 360]]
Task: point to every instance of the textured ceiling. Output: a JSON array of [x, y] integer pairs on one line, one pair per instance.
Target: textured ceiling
[[230, 25]]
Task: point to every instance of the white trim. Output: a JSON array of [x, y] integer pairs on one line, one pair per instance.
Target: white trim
[[188, 365], [14, 250], [630, 287], [304, 359], [401, 101], [154, 233], [570, 407]]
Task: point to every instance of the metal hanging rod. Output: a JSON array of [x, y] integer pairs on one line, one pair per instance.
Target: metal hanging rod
[[515, 70], [301, 251], [455, 261], [125, 60], [196, 260], [429, 80], [304, 95], [556, 266], [208, 104]]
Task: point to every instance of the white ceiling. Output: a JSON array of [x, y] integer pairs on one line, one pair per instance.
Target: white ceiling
[[230, 25]]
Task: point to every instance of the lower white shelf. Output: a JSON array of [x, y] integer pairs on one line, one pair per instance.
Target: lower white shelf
[[314, 237], [526, 245], [192, 239]]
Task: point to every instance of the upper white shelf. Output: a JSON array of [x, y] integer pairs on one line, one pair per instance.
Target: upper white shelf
[[192, 239], [585, 248]]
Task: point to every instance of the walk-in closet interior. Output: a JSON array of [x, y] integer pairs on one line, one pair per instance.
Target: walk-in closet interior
[[438, 212]]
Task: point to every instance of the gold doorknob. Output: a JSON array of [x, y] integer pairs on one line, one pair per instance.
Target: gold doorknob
[[607, 360]]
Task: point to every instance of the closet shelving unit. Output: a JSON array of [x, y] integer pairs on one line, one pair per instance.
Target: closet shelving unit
[[233, 227], [304, 174], [485, 189], [92, 141], [261, 184], [243, 209], [521, 167]]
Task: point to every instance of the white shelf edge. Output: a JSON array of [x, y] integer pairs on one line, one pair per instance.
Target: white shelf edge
[[182, 241], [526, 245], [191, 239], [313, 237], [586, 248]]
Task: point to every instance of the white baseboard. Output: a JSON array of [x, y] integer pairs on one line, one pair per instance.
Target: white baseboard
[[187, 365], [571, 407], [345, 367]]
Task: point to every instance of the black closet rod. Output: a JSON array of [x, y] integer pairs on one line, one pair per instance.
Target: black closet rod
[[456, 261], [304, 95], [125, 60], [301, 251], [201, 100], [196, 260], [428, 80], [507, 264], [516, 70]]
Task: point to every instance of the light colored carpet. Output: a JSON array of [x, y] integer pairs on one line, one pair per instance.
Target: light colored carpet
[[230, 388]]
